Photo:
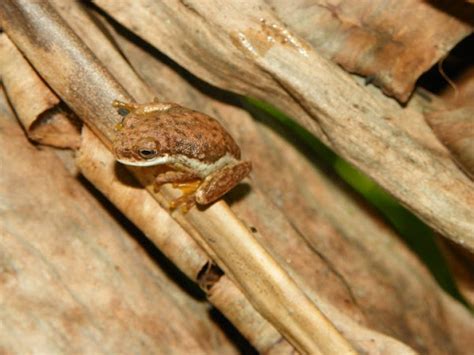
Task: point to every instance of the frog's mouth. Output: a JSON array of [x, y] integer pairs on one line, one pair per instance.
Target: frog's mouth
[[200, 167], [150, 162]]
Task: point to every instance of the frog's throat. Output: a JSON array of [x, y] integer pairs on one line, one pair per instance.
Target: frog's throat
[[202, 168]]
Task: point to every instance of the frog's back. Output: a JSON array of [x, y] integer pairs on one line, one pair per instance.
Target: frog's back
[[193, 134]]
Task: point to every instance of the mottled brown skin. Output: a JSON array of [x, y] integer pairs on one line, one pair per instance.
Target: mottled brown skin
[[195, 145], [177, 130]]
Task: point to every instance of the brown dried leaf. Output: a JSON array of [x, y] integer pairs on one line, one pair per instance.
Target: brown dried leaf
[[37, 107], [218, 223], [455, 129], [390, 42]]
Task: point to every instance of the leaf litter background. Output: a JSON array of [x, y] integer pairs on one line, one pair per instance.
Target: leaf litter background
[[330, 272]]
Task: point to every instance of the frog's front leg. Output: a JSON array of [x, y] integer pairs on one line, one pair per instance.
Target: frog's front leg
[[222, 181], [186, 181], [175, 176], [127, 106]]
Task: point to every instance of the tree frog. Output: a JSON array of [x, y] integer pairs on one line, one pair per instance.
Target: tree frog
[[204, 159]]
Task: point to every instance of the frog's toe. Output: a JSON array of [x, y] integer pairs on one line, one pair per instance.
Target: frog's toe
[[185, 203]]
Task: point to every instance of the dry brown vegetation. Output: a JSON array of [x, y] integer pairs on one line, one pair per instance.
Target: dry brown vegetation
[[292, 258]]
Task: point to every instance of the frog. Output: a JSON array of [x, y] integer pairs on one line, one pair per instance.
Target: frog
[[204, 160]]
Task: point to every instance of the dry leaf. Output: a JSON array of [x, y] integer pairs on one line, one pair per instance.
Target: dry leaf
[[312, 244], [455, 128], [391, 43], [39, 109]]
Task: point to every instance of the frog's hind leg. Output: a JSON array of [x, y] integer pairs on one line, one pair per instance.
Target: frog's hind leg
[[175, 177], [222, 181]]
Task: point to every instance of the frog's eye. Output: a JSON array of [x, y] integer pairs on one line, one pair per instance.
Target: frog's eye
[[147, 153]]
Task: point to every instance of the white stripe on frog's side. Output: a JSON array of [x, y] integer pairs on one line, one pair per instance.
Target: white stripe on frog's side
[[202, 168]]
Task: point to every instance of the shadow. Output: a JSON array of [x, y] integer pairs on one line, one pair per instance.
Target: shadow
[[460, 9], [233, 335], [237, 193], [124, 176], [148, 174], [458, 61]]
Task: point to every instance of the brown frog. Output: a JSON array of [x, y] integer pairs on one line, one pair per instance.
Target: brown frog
[[204, 158]]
